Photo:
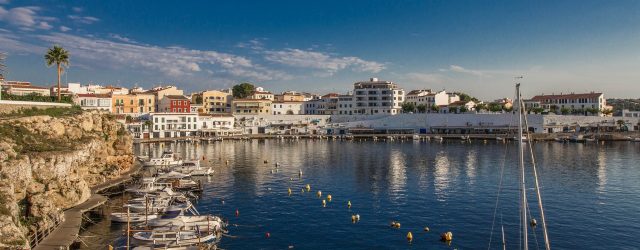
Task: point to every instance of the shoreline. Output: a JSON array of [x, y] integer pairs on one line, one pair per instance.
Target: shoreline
[[613, 136]]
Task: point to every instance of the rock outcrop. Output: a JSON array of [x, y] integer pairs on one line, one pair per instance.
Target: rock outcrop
[[48, 164]]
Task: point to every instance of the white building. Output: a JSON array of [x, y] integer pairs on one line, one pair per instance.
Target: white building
[[173, 124], [346, 104], [573, 102], [628, 113], [377, 97], [287, 108], [217, 125], [430, 99], [93, 101]]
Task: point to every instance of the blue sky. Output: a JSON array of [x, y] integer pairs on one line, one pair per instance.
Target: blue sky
[[325, 46]]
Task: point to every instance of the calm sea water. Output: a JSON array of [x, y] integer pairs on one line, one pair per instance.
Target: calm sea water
[[591, 194]]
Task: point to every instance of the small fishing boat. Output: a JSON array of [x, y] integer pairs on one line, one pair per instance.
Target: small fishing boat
[[416, 137], [637, 139], [174, 237], [132, 217], [166, 159], [203, 222], [191, 168], [148, 185]]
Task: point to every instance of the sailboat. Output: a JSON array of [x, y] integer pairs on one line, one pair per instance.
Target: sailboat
[[523, 191], [525, 221]]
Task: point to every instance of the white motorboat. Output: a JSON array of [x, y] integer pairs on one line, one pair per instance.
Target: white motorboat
[[416, 137], [202, 222], [637, 139], [132, 217], [166, 159], [148, 185], [192, 168], [173, 237]]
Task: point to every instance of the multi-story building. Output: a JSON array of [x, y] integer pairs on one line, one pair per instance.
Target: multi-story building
[[458, 107], [573, 102], [251, 106], [173, 124], [133, 104], [290, 96], [629, 113], [175, 104], [287, 108], [24, 88], [377, 97], [90, 101], [431, 99], [197, 108], [161, 92], [217, 125], [346, 104], [111, 90], [217, 102], [266, 95]]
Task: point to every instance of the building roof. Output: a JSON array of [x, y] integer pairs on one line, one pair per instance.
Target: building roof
[[330, 95], [293, 102], [252, 100], [419, 91], [566, 96], [458, 103], [95, 95], [176, 97]]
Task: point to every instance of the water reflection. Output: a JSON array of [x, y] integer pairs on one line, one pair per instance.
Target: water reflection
[[602, 171], [441, 176], [397, 173], [471, 163]]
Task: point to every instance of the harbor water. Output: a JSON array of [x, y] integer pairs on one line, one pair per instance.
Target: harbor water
[[590, 193]]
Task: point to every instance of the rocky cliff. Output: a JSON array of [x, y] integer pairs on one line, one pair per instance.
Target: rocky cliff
[[48, 164]]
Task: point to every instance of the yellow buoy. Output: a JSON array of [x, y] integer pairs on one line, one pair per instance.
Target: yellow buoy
[[319, 193], [426, 229], [329, 197], [448, 236], [349, 204], [308, 187], [302, 190], [409, 237], [289, 191], [353, 218], [324, 203]]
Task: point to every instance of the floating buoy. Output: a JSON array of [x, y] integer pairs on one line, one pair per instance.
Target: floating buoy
[[448, 236], [308, 187], [267, 235], [329, 197], [222, 202], [237, 213], [227, 162], [426, 229], [319, 193], [395, 224], [289, 191], [300, 172], [409, 237], [324, 203], [348, 204], [358, 217], [302, 190], [353, 218], [533, 222]]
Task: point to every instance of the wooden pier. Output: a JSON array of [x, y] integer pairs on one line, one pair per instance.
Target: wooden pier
[[67, 231]]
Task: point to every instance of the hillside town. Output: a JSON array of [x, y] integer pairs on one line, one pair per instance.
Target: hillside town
[[373, 106]]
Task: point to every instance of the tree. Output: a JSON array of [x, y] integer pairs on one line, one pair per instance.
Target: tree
[[421, 108], [435, 108], [495, 107], [564, 111], [198, 99], [408, 107], [621, 124], [463, 109], [481, 106], [537, 110], [60, 57], [147, 124], [554, 109], [466, 97], [243, 90]]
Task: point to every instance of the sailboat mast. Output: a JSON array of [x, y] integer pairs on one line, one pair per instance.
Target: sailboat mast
[[523, 207]]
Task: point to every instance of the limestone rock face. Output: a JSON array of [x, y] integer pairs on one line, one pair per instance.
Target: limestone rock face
[[40, 181]]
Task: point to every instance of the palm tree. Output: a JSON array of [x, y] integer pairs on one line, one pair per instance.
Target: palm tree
[[60, 57]]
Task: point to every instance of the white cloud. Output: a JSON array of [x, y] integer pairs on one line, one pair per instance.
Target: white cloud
[[171, 61], [122, 38], [460, 69], [64, 28], [77, 9], [4, 1], [322, 61], [254, 44], [26, 18], [83, 19]]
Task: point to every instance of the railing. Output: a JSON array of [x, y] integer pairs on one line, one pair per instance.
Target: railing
[[39, 235]]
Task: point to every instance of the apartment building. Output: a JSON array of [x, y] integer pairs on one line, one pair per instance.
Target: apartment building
[[175, 104], [289, 96], [346, 104], [133, 104], [377, 97], [251, 106], [574, 102], [217, 102], [89, 101], [287, 108], [24, 88], [173, 124]]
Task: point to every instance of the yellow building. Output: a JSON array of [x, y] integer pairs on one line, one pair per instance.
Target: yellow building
[[261, 95], [251, 106], [133, 104], [216, 102], [289, 96]]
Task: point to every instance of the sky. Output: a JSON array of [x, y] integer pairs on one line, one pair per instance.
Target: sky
[[477, 47]]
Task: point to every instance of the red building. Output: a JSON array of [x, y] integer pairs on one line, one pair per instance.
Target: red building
[[174, 104]]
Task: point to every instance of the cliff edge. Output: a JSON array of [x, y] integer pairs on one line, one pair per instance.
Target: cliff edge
[[48, 164]]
